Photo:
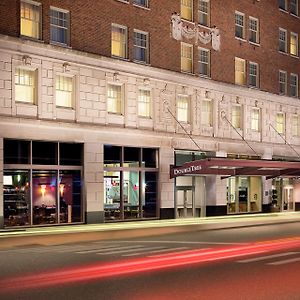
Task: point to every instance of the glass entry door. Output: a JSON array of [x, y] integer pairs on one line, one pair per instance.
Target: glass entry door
[[288, 203], [185, 202]]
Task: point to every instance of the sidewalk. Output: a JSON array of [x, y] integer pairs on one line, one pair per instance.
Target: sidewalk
[[108, 231]]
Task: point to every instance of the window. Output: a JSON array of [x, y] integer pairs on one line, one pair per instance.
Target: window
[[255, 119], [183, 109], [143, 3], [119, 41], [144, 103], [30, 19], [204, 62], [114, 99], [294, 7], [186, 58], [294, 44], [236, 117], [294, 85], [253, 74], [282, 40], [206, 113], [253, 30], [64, 91], [141, 46], [239, 25], [295, 125], [280, 123], [25, 85], [282, 4], [186, 9], [240, 69], [204, 12], [282, 82], [59, 26]]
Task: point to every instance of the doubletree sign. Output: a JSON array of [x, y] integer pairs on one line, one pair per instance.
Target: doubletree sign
[[184, 170]]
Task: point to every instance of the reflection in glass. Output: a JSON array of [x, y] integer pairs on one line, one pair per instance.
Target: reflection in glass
[[131, 157], [112, 156], [131, 194], [16, 196], [44, 197], [44, 153], [16, 151], [149, 199]]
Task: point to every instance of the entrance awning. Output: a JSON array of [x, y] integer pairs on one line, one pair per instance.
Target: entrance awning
[[237, 167]]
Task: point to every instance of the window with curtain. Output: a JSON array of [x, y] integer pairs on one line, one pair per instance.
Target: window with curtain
[[294, 85], [253, 74], [186, 10], [25, 85], [236, 116], [295, 125], [282, 82], [141, 46], [64, 91], [183, 114], [253, 30], [239, 25], [186, 58], [280, 123], [144, 104], [204, 62], [240, 69], [204, 12], [59, 26], [294, 44], [114, 99], [119, 41], [282, 40], [30, 23], [255, 119], [206, 113]]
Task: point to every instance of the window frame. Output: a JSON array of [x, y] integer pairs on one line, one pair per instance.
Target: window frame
[[201, 62], [145, 103], [146, 34], [294, 34], [205, 14], [237, 119], [281, 41], [73, 91], [281, 72], [296, 13], [184, 7], [278, 124], [257, 37], [184, 59], [68, 33], [238, 59], [255, 111], [295, 126], [285, 5], [187, 111], [237, 13], [120, 27], [122, 99], [251, 63], [296, 86], [207, 112], [146, 5]]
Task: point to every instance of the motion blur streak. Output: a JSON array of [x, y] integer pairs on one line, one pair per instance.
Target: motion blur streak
[[98, 271]]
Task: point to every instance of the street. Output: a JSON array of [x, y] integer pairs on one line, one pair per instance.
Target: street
[[259, 262]]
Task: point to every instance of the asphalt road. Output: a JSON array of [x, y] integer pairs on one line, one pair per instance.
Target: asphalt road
[[261, 262]]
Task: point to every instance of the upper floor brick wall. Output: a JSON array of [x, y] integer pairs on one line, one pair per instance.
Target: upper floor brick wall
[[90, 23]]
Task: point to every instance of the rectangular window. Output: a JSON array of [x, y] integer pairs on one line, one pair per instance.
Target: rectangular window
[[294, 44], [204, 12], [186, 10], [183, 109], [282, 4], [186, 58], [282, 82], [294, 85], [282, 40], [144, 103], [294, 7], [141, 46], [255, 119], [64, 91], [239, 25], [30, 24], [240, 71], [206, 113], [204, 62], [144, 3], [25, 85], [236, 117], [114, 99], [295, 125], [280, 123], [119, 41], [253, 74], [59, 26], [253, 30]]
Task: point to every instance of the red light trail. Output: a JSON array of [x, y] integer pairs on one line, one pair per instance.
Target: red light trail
[[171, 260]]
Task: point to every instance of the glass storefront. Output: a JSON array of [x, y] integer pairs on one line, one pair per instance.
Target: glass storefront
[[282, 195], [42, 183], [130, 179]]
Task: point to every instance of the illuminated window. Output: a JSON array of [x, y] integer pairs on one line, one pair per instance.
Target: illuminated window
[[253, 74], [295, 125], [30, 19], [186, 58], [141, 46], [239, 25], [206, 113], [186, 10], [144, 103], [204, 62], [183, 109], [114, 99], [253, 30], [280, 122], [282, 40], [282, 4], [119, 41], [236, 116], [144, 3], [282, 82], [25, 85], [294, 85], [204, 12], [240, 71], [59, 26], [294, 44], [255, 119], [64, 91], [294, 7]]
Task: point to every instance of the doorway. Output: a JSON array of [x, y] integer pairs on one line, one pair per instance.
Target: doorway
[[185, 202]]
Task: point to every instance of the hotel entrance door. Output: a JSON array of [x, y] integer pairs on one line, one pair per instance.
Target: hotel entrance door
[[185, 202]]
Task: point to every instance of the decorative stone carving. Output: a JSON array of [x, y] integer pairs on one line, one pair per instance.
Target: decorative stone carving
[[180, 31]]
